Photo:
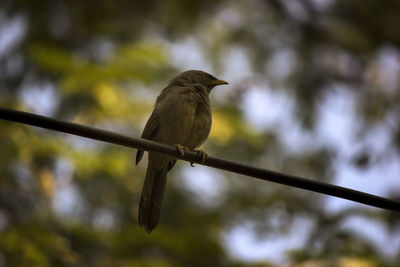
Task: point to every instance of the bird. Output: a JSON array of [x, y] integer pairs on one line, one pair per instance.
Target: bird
[[182, 118]]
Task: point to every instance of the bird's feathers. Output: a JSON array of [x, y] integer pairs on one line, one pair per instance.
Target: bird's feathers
[[182, 115], [152, 193], [149, 132]]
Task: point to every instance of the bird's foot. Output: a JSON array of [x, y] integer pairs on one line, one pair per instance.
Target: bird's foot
[[203, 155], [181, 149]]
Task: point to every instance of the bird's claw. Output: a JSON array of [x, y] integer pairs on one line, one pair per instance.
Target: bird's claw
[[181, 149], [203, 155]]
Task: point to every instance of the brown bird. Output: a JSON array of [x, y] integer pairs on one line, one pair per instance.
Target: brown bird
[[181, 117]]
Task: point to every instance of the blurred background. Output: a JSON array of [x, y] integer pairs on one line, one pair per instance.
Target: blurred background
[[314, 91]]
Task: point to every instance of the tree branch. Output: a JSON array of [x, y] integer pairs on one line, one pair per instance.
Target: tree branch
[[263, 174]]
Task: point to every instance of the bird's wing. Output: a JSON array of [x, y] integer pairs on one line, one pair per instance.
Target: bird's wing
[[149, 132], [171, 164], [177, 115]]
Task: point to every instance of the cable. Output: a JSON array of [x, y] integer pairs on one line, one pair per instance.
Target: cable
[[263, 174]]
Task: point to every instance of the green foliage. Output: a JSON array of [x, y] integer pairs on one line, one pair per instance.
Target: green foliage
[[69, 201]]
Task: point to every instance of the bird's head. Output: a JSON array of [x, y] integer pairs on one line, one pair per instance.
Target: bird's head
[[198, 77]]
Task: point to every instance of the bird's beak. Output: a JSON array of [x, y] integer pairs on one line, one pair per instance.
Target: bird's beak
[[218, 82]]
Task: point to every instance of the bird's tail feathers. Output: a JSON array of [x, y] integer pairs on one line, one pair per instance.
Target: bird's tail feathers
[[152, 196]]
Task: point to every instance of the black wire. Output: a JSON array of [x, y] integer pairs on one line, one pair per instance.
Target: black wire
[[263, 174]]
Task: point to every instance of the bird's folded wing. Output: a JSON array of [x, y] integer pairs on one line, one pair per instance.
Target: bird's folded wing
[[149, 132]]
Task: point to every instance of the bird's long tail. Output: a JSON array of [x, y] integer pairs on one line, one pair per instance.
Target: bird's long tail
[[152, 193]]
